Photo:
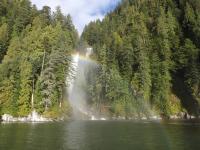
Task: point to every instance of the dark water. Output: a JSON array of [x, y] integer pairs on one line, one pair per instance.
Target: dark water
[[100, 135]]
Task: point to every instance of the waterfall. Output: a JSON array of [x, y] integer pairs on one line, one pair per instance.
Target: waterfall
[[70, 81], [77, 85], [72, 73]]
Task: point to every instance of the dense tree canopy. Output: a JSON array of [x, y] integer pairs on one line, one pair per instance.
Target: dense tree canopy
[[145, 50], [35, 47], [148, 53]]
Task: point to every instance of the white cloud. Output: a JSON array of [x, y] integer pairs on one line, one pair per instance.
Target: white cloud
[[82, 11]]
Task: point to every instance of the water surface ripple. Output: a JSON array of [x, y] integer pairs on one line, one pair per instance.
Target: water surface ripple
[[100, 135]]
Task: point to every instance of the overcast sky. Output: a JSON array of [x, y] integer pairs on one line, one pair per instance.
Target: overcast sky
[[82, 11]]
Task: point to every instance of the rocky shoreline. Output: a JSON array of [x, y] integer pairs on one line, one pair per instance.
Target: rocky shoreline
[[179, 116], [35, 117], [32, 117]]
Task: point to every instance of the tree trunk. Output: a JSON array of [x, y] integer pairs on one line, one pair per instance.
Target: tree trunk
[[32, 96], [43, 60]]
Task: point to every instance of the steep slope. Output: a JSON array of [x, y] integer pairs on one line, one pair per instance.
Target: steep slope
[[143, 47], [35, 49]]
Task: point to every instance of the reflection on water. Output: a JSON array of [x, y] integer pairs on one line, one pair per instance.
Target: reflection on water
[[100, 135]]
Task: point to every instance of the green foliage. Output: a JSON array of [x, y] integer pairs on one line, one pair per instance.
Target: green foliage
[[141, 47], [25, 88], [3, 40], [34, 51], [59, 112]]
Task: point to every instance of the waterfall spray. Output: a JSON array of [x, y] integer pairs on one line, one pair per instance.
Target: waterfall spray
[[77, 84]]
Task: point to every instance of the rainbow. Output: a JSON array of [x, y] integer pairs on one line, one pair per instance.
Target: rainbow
[[84, 58]]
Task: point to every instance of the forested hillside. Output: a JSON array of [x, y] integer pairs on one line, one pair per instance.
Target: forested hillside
[[149, 56], [35, 46]]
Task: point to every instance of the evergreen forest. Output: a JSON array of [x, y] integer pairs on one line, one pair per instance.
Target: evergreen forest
[[35, 48], [148, 53]]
